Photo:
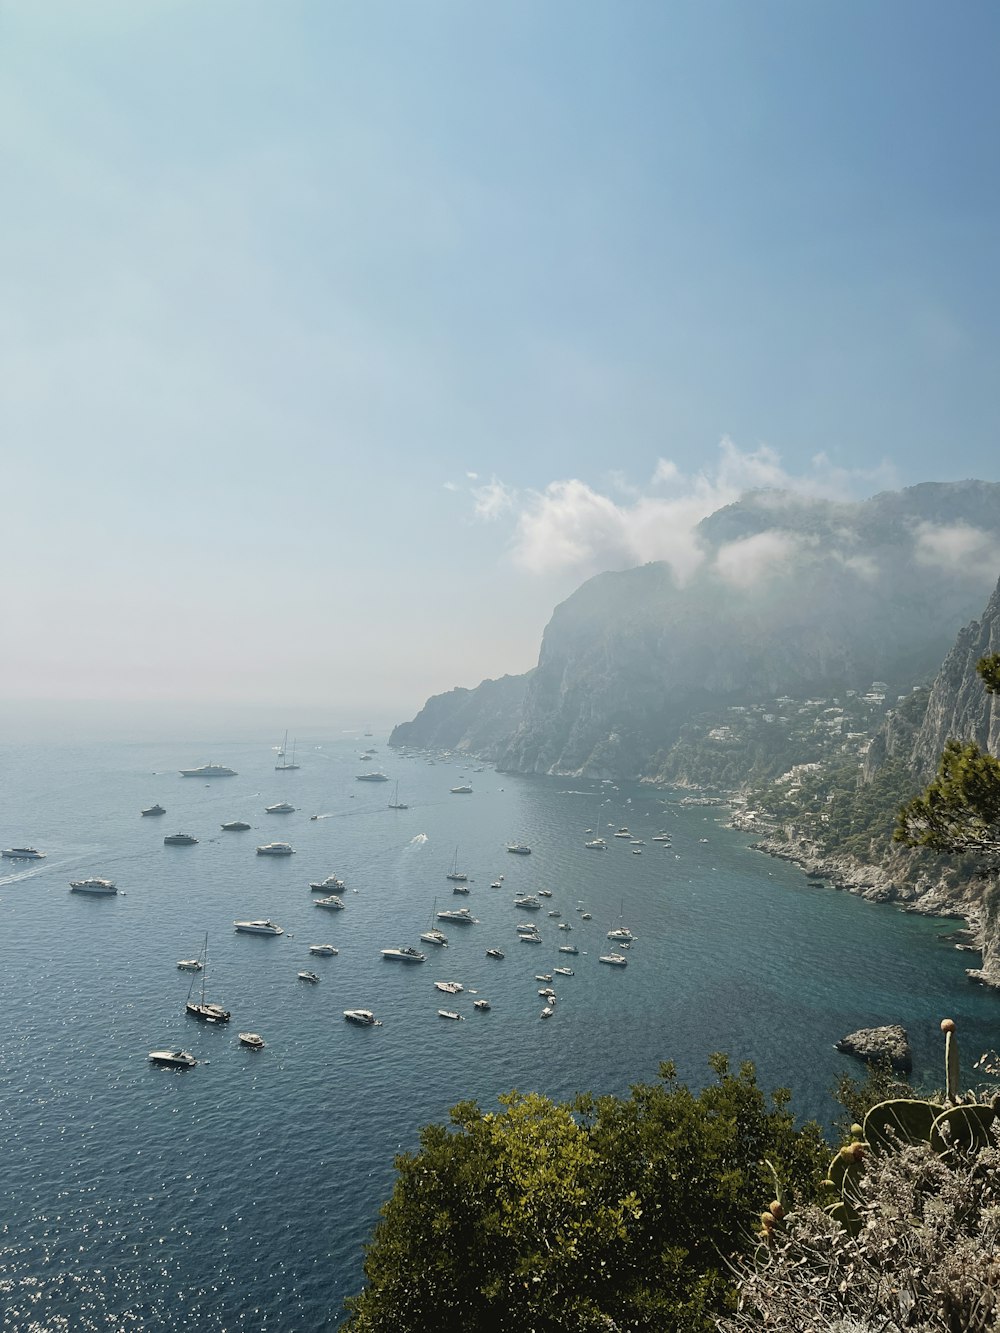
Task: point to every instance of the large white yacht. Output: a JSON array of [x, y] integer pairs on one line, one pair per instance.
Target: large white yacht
[[23, 854], [621, 933], [94, 885], [364, 1017], [464, 790], [404, 954], [324, 950], [460, 915], [334, 903], [519, 848], [276, 849], [180, 840], [371, 777], [279, 808], [209, 771], [325, 885], [615, 959], [258, 927]]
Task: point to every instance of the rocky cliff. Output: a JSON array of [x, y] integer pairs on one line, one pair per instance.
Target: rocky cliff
[[792, 595], [478, 721]]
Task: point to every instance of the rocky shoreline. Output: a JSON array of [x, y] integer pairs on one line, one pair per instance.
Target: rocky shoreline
[[926, 894]]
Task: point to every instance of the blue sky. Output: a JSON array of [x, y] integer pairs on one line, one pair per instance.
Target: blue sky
[[337, 336]]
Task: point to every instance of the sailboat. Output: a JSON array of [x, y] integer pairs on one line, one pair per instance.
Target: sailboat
[[208, 1013], [285, 766], [396, 803], [459, 876], [432, 935]]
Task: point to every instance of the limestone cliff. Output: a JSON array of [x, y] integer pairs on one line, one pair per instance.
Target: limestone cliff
[[476, 721]]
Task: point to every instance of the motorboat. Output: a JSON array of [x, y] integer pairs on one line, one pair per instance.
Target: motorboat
[[276, 849], [153, 810], [209, 771], [460, 888], [623, 833], [587, 916], [371, 777], [95, 885], [547, 1012], [334, 903], [495, 953], [189, 964], [258, 927], [173, 1059], [564, 925], [177, 840], [23, 854], [526, 928], [450, 1013], [529, 901], [596, 845], [555, 912], [636, 851], [363, 1017], [496, 884], [464, 790], [449, 987], [481, 1005], [459, 915], [519, 848], [637, 842], [252, 1039], [325, 950], [530, 939], [543, 976], [661, 837], [547, 992], [236, 826], [621, 933], [568, 948], [545, 893], [325, 885], [311, 977], [564, 971], [615, 959], [279, 808], [435, 936], [404, 954]]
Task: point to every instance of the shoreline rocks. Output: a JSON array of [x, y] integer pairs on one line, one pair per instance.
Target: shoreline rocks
[[874, 1045]]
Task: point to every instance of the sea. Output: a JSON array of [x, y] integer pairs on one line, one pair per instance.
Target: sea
[[239, 1194]]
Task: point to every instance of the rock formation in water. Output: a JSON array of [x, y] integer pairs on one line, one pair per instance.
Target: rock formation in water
[[874, 1045], [792, 595]]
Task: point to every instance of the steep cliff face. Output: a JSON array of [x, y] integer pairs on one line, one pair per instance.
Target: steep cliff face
[[792, 595], [959, 707], [477, 721]]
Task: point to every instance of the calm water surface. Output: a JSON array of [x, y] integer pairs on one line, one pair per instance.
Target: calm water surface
[[238, 1195]]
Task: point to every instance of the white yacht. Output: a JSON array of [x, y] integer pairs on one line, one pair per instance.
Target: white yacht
[[325, 950], [173, 1059], [325, 885], [568, 948], [189, 964], [615, 959], [311, 977], [153, 810], [494, 953], [547, 1012], [95, 885], [236, 826], [460, 915], [209, 771], [23, 854], [276, 849], [449, 987], [253, 1040], [334, 903], [530, 939], [279, 808], [461, 791], [178, 840], [621, 933], [596, 845], [371, 777], [258, 927], [363, 1017], [527, 900], [450, 1013], [519, 848], [481, 1005], [623, 833], [564, 971], [404, 954], [435, 936]]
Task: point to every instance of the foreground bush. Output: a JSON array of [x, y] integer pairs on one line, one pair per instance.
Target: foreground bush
[[604, 1214]]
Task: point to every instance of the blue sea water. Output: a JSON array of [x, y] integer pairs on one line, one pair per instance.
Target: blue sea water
[[239, 1194]]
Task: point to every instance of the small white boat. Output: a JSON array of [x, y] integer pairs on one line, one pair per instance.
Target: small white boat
[[276, 849], [496, 884], [621, 933], [519, 848], [236, 826], [543, 976], [545, 893], [175, 840], [404, 954], [530, 939], [568, 948], [363, 1017], [547, 1012], [636, 851], [481, 1005], [173, 1059], [153, 810], [564, 925], [596, 845], [555, 912], [547, 992], [614, 959], [189, 964], [494, 953], [564, 971], [587, 916], [449, 987], [252, 1039], [450, 1013], [325, 885], [434, 936], [464, 790], [279, 808], [623, 833], [258, 927], [308, 976], [324, 950]]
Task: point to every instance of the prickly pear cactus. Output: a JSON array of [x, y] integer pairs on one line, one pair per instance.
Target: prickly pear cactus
[[964, 1129], [901, 1120]]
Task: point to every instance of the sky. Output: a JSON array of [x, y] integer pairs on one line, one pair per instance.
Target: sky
[[342, 339]]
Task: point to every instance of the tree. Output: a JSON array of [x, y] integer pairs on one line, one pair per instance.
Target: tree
[[959, 811], [603, 1214]]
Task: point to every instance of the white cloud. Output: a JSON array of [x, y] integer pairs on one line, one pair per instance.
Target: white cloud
[[451, 486], [492, 499], [956, 547], [748, 561], [571, 527]]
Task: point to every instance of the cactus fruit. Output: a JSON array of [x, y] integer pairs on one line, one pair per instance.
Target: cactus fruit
[[901, 1120], [776, 1210]]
